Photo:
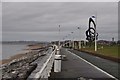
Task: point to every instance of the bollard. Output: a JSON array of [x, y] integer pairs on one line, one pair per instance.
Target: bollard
[[58, 51], [57, 63]]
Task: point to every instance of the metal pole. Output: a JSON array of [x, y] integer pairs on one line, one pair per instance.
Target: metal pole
[[69, 40], [72, 39], [95, 33], [59, 38], [80, 38]]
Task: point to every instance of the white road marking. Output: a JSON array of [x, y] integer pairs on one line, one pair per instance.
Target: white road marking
[[92, 65]]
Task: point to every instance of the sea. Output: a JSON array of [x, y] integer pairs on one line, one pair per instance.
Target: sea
[[9, 50]]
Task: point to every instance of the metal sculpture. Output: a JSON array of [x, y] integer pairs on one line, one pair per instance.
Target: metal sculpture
[[91, 32]]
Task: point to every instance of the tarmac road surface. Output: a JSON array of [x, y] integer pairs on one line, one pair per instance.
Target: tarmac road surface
[[76, 67], [108, 66]]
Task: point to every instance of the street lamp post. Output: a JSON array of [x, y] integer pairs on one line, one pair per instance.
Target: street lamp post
[[69, 37], [65, 40], [80, 37], [59, 38], [72, 39]]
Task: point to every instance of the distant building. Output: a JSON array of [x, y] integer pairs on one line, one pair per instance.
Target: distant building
[[107, 42]]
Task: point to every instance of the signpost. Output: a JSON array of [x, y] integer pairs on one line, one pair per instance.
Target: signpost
[[95, 34]]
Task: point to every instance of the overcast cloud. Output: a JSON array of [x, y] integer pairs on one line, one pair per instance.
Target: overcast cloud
[[40, 20]]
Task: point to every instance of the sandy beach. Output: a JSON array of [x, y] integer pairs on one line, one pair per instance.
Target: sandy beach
[[17, 56], [21, 54]]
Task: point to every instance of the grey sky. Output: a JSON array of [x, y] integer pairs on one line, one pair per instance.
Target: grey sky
[[59, 0], [0, 21], [40, 20]]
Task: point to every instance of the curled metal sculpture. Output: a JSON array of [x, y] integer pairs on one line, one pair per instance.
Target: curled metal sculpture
[[91, 32]]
